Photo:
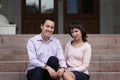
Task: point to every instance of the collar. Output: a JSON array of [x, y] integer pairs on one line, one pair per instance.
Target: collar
[[41, 39]]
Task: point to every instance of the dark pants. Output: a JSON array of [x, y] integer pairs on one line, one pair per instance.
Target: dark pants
[[39, 73], [81, 75]]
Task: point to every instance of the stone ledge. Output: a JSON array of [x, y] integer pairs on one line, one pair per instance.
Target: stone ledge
[[93, 76], [95, 66]]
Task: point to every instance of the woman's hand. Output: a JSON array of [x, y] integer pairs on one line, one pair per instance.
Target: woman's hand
[[60, 72]]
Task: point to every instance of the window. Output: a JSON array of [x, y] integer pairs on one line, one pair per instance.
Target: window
[[47, 6], [40, 6], [80, 7], [88, 6], [73, 6], [32, 6]]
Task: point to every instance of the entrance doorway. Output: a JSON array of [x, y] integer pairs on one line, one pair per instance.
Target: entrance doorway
[[33, 11], [87, 11]]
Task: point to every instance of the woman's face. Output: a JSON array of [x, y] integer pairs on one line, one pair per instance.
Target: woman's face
[[76, 34]]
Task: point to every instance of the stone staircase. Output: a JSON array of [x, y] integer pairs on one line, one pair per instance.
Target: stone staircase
[[105, 61]]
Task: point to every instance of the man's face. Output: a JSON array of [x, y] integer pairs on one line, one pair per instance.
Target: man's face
[[47, 28]]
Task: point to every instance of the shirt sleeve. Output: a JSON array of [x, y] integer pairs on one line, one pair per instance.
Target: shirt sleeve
[[86, 59], [60, 55], [32, 55], [65, 51]]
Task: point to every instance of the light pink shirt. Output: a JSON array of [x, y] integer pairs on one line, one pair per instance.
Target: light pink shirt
[[78, 58]]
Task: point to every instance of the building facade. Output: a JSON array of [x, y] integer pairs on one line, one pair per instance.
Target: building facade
[[98, 16]]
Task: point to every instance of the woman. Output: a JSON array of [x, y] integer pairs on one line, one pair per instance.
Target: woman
[[77, 54]]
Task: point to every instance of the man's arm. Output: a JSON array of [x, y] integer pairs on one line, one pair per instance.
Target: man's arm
[[32, 55]]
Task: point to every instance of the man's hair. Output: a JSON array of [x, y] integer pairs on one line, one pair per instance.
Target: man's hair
[[47, 18]]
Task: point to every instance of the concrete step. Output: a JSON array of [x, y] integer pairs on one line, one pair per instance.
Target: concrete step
[[91, 37], [104, 66], [12, 76], [14, 57], [63, 38], [24, 51], [21, 38], [93, 45], [105, 60], [93, 76], [105, 55], [13, 46], [99, 45], [65, 35], [95, 66], [104, 35], [104, 75], [13, 66], [13, 51], [97, 55], [105, 45]]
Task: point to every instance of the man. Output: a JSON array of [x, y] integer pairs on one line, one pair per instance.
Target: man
[[46, 59]]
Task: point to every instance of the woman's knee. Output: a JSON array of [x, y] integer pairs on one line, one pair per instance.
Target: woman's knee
[[68, 75]]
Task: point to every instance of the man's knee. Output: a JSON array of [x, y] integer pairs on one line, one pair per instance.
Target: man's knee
[[53, 59], [35, 74], [53, 62]]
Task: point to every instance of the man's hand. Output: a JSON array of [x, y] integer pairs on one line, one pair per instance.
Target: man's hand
[[52, 72]]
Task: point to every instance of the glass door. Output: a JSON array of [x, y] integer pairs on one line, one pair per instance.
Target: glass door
[[86, 11], [34, 10]]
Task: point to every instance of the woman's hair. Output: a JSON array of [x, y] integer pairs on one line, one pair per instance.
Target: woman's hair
[[76, 24]]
